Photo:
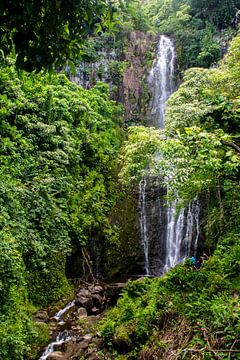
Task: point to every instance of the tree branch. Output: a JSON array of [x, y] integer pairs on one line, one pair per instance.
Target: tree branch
[[232, 145], [86, 258], [210, 350]]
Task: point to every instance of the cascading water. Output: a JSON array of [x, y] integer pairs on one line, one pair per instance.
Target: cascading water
[[161, 80], [143, 222], [182, 234], [61, 312], [167, 238], [63, 336], [60, 339], [174, 237]]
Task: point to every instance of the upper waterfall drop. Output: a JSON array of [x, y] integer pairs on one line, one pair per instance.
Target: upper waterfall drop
[[161, 80]]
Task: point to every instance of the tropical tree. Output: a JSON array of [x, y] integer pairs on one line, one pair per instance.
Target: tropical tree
[[220, 12], [47, 33]]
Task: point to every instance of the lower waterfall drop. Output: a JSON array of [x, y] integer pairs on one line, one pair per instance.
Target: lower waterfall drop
[[182, 234], [143, 222], [174, 237]]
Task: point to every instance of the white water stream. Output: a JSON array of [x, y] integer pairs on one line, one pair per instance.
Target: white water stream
[[161, 80], [143, 222], [62, 337], [61, 312]]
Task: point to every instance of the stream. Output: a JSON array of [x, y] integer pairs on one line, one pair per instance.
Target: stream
[[79, 316], [63, 336]]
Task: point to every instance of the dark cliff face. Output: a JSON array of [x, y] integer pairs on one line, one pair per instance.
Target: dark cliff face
[[124, 69], [156, 224], [171, 236], [125, 257], [139, 55]]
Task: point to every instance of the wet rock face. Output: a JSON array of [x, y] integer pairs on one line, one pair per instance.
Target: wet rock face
[[125, 71], [85, 346], [156, 224], [124, 258], [56, 355], [41, 316], [171, 237], [135, 90]]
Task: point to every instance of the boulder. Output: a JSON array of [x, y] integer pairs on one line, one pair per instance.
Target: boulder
[[84, 292], [97, 300], [85, 302], [95, 311], [82, 312], [75, 351], [97, 342], [41, 316], [83, 344], [113, 292], [56, 355], [96, 289], [87, 337]]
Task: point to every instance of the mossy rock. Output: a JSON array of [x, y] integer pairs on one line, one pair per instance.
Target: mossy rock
[[48, 286]]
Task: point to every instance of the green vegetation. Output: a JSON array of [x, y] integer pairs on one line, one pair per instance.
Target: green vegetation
[[59, 146], [58, 149], [189, 313], [184, 313], [205, 154], [200, 28], [48, 33]]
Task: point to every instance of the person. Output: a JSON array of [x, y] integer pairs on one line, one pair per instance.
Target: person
[[196, 263], [204, 257], [193, 260]]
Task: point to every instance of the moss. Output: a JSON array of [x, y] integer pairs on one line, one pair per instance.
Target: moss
[[122, 338], [181, 310], [120, 255], [45, 287], [39, 339]]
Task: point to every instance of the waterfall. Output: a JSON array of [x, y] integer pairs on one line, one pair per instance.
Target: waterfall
[[175, 227], [161, 80], [62, 337], [61, 312], [167, 238], [143, 222], [182, 234]]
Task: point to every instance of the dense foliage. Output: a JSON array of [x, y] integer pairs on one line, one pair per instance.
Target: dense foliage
[[183, 314], [208, 101], [201, 28], [58, 148], [47, 33], [209, 98]]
